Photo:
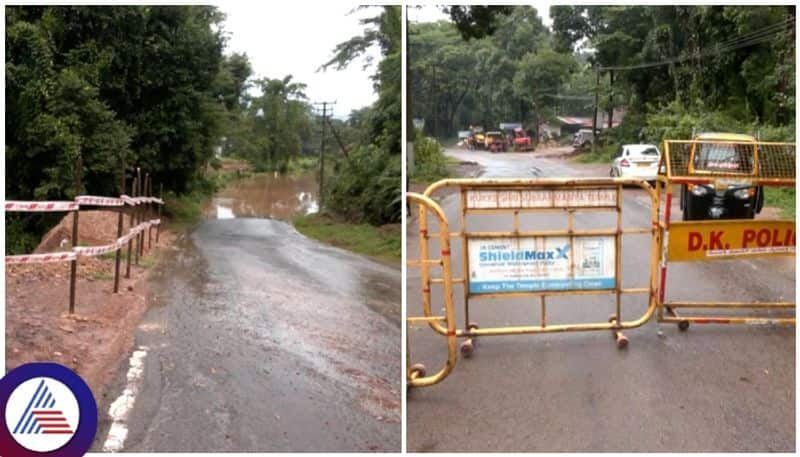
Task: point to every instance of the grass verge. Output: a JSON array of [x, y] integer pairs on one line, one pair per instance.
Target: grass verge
[[426, 175], [603, 154], [381, 243], [301, 165], [782, 198]]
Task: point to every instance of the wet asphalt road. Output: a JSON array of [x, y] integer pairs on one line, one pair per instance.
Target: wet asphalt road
[[712, 388], [260, 339]]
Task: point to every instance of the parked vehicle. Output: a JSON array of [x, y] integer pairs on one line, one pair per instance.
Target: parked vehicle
[[496, 142], [476, 139], [522, 141], [636, 161], [583, 138], [730, 155]]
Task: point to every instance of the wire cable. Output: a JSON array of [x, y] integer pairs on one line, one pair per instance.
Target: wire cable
[[756, 37]]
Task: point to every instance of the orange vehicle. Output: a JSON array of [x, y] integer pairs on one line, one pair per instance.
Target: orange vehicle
[[522, 141]]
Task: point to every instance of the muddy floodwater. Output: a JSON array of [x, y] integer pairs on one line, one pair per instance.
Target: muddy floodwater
[[266, 195], [260, 339]]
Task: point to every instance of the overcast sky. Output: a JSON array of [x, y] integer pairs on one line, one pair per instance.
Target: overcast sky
[[434, 13], [282, 38]]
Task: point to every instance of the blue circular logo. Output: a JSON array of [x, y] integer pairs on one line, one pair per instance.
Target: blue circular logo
[[47, 409]]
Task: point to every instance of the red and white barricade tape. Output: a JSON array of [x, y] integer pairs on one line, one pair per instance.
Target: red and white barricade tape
[[40, 206], [140, 200], [98, 201], [89, 200], [91, 251], [128, 200], [82, 251], [41, 258]]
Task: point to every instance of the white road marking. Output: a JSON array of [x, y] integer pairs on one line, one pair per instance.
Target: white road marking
[[122, 406]]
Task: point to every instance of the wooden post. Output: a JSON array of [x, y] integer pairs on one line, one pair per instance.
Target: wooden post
[[131, 225], [73, 267], [150, 207], [140, 235], [160, 196], [118, 254]]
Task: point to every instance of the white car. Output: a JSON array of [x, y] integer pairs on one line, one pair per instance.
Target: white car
[[636, 161]]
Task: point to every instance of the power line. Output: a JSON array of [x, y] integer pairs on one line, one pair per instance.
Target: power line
[[730, 45], [568, 97], [768, 29]]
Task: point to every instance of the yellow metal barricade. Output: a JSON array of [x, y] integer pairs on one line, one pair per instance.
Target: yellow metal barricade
[[415, 374], [561, 275], [719, 174]]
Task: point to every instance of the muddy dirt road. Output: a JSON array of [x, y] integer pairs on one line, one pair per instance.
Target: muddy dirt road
[[260, 339], [712, 388]]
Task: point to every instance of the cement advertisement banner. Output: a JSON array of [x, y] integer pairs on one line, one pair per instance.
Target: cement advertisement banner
[[534, 264]]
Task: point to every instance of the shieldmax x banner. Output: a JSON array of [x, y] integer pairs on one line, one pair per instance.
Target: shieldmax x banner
[[535, 264]]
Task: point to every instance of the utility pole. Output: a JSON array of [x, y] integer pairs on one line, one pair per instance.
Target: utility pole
[[321, 197], [596, 103], [338, 138]]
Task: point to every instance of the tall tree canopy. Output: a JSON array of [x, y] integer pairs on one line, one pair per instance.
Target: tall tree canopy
[[366, 185], [100, 82], [725, 67], [484, 81]]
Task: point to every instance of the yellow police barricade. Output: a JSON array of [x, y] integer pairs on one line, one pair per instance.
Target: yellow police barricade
[[415, 374], [721, 186], [504, 263]]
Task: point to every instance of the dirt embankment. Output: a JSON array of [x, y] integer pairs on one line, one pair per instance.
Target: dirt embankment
[[96, 338]]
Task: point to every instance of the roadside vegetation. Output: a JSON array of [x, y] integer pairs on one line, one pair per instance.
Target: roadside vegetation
[[81, 96], [382, 243], [430, 162], [782, 198], [362, 193], [674, 71]]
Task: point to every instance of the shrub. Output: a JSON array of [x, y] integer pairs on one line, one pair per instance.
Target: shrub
[[366, 186], [430, 163]]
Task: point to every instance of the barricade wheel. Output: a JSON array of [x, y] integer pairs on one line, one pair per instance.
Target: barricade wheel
[[467, 348], [417, 370], [683, 325], [622, 341]]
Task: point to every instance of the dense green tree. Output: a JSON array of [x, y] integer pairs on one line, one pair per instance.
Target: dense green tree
[[456, 83], [728, 58], [482, 68], [146, 74], [366, 185], [538, 74], [279, 118], [86, 86]]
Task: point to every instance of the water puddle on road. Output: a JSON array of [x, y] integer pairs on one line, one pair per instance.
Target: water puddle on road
[[266, 195]]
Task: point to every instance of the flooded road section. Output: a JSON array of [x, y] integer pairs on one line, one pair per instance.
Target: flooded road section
[[273, 196], [260, 339]]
